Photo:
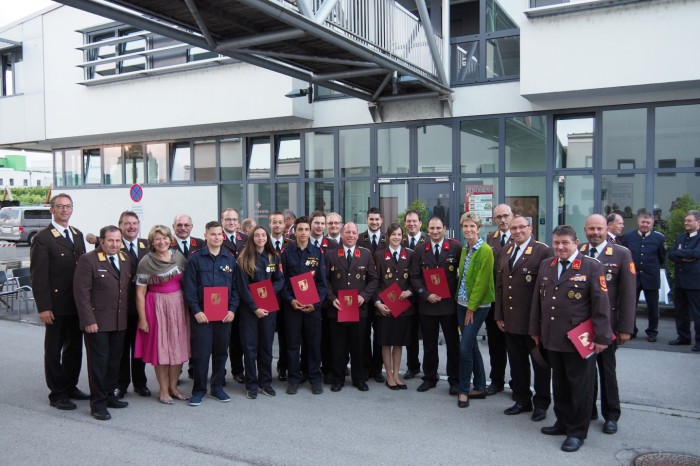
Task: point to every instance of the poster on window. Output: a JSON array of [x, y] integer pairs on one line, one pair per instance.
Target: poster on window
[[478, 198]]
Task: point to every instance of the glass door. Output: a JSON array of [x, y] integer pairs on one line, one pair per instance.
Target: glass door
[[395, 195]]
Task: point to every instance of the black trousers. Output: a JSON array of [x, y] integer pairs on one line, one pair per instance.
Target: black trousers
[[372, 349], [687, 304], [609, 394], [209, 341], [430, 327], [348, 337], [572, 379], [235, 349], [257, 336], [131, 368], [412, 350], [282, 362], [104, 354], [496, 340], [303, 330], [652, 299], [63, 356], [519, 347]]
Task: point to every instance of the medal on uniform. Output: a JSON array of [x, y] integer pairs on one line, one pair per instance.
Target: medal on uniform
[[451, 268], [570, 294], [338, 276], [528, 278], [405, 275], [578, 295], [389, 275], [608, 276], [357, 276]]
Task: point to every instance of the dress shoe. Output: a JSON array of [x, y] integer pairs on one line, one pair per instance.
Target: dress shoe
[[493, 388], [695, 349], [517, 409], [64, 404], [238, 377], [571, 444], [268, 391], [552, 430], [292, 389], [391, 387], [77, 394], [120, 392], [679, 341], [425, 386], [402, 386], [610, 427], [409, 374], [650, 339], [282, 375], [251, 395], [317, 388], [336, 387], [462, 403], [101, 415], [361, 386], [476, 395], [378, 377], [143, 391], [539, 415], [116, 403]]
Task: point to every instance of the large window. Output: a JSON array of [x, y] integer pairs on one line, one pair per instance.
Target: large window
[[354, 152], [393, 150], [11, 76], [677, 136], [231, 159], [434, 149], [479, 145]]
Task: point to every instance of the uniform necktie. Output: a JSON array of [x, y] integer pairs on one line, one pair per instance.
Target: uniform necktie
[[232, 239], [396, 256], [503, 239], [564, 266], [413, 243], [348, 256], [437, 252], [114, 264], [316, 244], [374, 241], [511, 262], [67, 234], [593, 252], [132, 252], [277, 246], [185, 249]]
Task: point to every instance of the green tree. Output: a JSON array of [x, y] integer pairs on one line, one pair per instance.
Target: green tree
[[31, 195], [419, 206]]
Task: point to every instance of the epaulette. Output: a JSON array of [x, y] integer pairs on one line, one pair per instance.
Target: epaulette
[[540, 242]]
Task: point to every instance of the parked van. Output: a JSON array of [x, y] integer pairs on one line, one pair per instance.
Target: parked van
[[21, 224]]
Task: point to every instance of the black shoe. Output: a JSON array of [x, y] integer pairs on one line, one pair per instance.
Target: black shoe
[[336, 387], [391, 387], [120, 392], [571, 444], [402, 386], [361, 386], [517, 409], [238, 377], [101, 415], [282, 375], [462, 403], [679, 341], [610, 427], [378, 377], [594, 413], [410, 373], [316, 388], [539, 415], [696, 349], [493, 388], [552, 430], [292, 389], [143, 391], [268, 391], [116, 403], [64, 404], [425, 386], [251, 395], [77, 394], [650, 339]]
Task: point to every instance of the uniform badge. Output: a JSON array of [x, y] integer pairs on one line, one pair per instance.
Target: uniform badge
[[578, 295], [608, 277], [576, 265], [633, 271], [603, 284], [570, 294], [451, 268], [55, 233], [528, 250], [357, 276], [338, 276], [389, 275], [510, 249], [528, 278], [405, 275], [609, 251], [332, 268], [141, 245], [101, 257]]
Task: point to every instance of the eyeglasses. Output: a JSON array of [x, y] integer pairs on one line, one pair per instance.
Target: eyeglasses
[[500, 217], [183, 225], [230, 220], [63, 206], [333, 223]]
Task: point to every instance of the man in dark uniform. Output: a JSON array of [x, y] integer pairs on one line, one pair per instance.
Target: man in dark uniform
[[415, 239], [516, 274], [186, 244], [496, 339], [570, 289], [279, 242], [234, 241], [373, 240], [131, 367], [211, 266], [620, 276], [53, 257], [434, 312], [101, 290], [615, 226], [649, 252], [351, 267], [686, 255], [303, 320], [334, 222]]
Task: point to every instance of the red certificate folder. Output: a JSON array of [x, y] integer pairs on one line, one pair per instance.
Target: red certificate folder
[[264, 295], [349, 306], [436, 282], [582, 336], [215, 302], [390, 297], [304, 288]]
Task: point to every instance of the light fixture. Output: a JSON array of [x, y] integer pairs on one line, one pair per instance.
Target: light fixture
[[301, 92]]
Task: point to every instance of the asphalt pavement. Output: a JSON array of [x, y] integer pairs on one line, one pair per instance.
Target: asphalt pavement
[[659, 390]]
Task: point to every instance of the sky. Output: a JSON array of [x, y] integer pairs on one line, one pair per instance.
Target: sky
[[12, 10]]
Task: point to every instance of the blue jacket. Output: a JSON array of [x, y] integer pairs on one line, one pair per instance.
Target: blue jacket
[[649, 254], [203, 270], [296, 261], [686, 255]]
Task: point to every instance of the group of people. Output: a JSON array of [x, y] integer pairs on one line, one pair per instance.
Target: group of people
[[152, 300]]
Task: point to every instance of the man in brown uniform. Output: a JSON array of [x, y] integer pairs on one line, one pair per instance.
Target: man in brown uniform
[[498, 240], [620, 276], [516, 274], [570, 289], [101, 287], [349, 267]]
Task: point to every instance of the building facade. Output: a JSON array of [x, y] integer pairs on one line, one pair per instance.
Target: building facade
[[559, 110]]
